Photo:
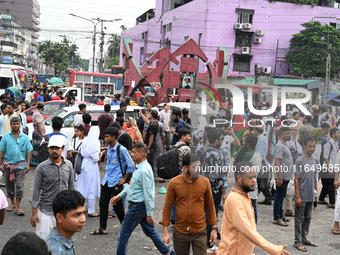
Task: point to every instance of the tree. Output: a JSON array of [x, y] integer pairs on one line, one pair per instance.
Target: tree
[[58, 55], [114, 45], [112, 61], [308, 49]]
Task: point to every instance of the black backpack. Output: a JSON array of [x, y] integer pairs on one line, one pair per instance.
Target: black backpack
[[167, 163], [43, 150]]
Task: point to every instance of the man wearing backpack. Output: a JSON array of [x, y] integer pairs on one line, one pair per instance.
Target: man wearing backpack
[[210, 159], [177, 116], [57, 124], [328, 159], [119, 167]]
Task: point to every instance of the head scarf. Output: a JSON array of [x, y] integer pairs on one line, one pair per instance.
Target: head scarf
[[316, 133], [91, 145], [139, 137]]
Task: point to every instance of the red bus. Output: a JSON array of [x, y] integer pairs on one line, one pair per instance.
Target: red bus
[[100, 83], [116, 69]]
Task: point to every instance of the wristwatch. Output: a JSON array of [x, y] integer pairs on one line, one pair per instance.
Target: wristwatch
[[215, 228]]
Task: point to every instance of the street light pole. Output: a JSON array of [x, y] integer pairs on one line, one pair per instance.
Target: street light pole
[[101, 45], [94, 37]]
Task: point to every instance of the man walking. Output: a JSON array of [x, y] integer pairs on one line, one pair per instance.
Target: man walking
[[192, 196], [10, 114], [38, 132], [165, 114], [140, 195], [51, 176], [119, 167], [305, 182], [15, 148], [69, 213], [283, 174], [239, 235], [104, 121], [177, 116], [304, 130]]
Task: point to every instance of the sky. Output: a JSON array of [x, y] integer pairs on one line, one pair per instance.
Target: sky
[[55, 19]]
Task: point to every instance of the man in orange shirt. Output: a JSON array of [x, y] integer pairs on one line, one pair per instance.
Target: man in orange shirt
[[191, 194], [239, 235]]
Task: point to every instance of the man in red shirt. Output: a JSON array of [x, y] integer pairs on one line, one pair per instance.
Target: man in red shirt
[[101, 100], [57, 97]]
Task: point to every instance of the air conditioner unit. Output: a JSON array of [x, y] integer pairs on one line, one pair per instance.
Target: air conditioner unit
[[247, 25], [259, 32], [245, 50], [238, 26], [267, 70], [257, 40]]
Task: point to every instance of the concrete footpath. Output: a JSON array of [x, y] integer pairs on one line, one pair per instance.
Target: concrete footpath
[[320, 230]]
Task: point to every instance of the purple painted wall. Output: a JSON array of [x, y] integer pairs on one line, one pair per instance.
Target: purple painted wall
[[215, 20]]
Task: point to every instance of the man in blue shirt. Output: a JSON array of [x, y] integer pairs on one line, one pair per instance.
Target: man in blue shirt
[[140, 195], [177, 116], [15, 148], [69, 212], [119, 167], [115, 100]]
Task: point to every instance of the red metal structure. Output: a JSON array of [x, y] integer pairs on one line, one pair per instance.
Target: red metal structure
[[187, 79]]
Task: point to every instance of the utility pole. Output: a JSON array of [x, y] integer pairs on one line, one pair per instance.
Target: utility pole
[[328, 72], [101, 45]]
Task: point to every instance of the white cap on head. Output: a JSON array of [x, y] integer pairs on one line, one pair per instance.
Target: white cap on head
[[56, 140]]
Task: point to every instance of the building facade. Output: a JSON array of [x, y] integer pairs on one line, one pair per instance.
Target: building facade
[[23, 16], [254, 32]]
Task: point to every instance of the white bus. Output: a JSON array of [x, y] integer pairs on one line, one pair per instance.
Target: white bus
[[13, 75]]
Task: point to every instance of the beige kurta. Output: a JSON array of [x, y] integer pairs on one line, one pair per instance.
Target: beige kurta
[[239, 234]]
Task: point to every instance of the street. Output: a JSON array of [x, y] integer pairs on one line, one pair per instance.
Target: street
[[320, 231]]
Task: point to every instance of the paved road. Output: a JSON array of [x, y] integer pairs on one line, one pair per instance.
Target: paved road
[[320, 231]]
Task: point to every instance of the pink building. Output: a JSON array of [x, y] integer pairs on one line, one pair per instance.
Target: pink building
[[254, 32]]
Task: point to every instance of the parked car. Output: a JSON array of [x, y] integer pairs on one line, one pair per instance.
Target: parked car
[[68, 113], [50, 108]]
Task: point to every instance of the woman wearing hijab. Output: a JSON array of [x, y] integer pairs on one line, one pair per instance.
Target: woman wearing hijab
[[88, 183], [133, 130]]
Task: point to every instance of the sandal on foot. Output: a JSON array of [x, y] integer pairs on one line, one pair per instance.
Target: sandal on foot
[[285, 220], [336, 231], [322, 202], [280, 222], [300, 247], [94, 215], [19, 212], [10, 208], [99, 231], [111, 215], [309, 243]]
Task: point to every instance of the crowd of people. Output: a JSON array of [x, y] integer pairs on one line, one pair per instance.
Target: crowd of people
[[293, 150]]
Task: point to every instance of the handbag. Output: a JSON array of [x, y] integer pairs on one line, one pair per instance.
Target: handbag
[[78, 162], [25, 130], [263, 178]]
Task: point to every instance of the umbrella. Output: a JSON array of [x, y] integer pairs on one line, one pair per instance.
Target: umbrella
[[14, 90], [55, 80]]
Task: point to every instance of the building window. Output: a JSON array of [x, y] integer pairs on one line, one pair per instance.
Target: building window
[[242, 63], [169, 27], [186, 38], [143, 36], [142, 55], [243, 39], [244, 15], [173, 4]]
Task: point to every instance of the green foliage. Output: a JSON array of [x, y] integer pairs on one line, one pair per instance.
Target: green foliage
[[58, 55], [112, 61], [83, 64], [308, 49], [114, 46]]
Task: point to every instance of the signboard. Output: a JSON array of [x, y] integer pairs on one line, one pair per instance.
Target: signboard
[[5, 16], [6, 31], [186, 94]]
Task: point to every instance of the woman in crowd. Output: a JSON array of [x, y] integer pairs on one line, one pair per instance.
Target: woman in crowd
[[133, 130], [88, 183], [79, 132]]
